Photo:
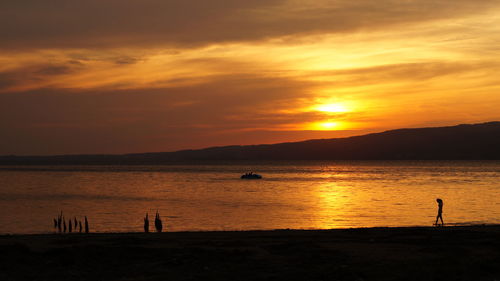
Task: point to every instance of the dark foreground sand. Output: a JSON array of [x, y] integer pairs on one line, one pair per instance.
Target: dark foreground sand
[[450, 253]]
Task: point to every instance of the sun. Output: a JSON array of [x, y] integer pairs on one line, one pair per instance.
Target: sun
[[327, 126]]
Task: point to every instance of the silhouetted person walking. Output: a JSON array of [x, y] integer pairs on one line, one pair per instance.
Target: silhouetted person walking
[[70, 228], [64, 224], [440, 212], [86, 225], [146, 224], [76, 223], [80, 226], [55, 224]]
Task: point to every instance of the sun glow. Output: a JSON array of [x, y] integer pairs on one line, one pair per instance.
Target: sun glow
[[332, 108], [327, 126]]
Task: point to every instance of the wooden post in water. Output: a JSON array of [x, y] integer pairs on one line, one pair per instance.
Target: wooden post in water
[[158, 223], [146, 223], [59, 222], [86, 225]]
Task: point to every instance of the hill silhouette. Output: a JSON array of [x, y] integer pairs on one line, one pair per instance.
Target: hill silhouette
[[462, 142]]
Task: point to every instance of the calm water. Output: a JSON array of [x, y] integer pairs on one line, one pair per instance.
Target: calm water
[[305, 195]]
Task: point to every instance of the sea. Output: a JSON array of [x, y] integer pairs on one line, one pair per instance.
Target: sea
[[291, 195]]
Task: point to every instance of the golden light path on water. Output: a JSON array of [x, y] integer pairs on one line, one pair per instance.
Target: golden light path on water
[[212, 197]]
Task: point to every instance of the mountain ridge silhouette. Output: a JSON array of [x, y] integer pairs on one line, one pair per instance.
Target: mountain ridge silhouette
[[460, 142]]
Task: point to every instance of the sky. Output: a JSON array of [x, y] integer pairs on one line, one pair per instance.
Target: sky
[[130, 76]]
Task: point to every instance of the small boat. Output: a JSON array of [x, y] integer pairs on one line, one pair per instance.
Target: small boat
[[251, 176]]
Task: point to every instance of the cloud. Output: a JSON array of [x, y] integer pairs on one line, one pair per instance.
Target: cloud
[[54, 121], [420, 72], [117, 23], [227, 109], [36, 74], [222, 111], [50, 70]]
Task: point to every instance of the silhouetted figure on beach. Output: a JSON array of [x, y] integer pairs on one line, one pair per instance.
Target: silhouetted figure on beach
[[158, 223], [70, 228], [86, 225], [440, 212], [146, 223], [55, 223], [76, 223], [80, 226], [64, 224]]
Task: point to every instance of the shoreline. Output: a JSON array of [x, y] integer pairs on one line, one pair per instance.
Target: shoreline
[[152, 232], [381, 253]]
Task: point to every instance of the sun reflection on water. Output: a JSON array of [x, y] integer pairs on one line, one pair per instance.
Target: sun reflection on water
[[334, 203]]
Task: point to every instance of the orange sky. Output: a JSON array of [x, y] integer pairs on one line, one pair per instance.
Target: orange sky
[[122, 76]]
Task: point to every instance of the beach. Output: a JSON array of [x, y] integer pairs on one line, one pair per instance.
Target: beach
[[406, 253]]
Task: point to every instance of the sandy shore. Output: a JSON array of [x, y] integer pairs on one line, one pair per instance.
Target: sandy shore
[[450, 253]]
